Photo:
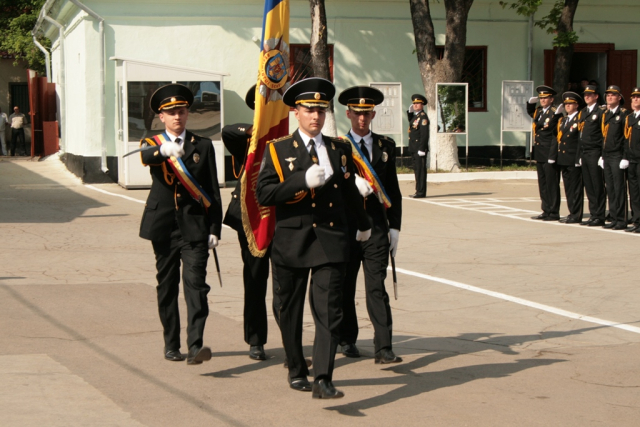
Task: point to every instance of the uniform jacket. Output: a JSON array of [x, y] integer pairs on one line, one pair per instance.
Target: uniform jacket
[[237, 141], [545, 129], [632, 138], [613, 132], [418, 132], [590, 126], [170, 203], [311, 225], [564, 149]]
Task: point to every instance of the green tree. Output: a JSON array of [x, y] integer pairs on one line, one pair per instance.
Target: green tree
[[17, 19]]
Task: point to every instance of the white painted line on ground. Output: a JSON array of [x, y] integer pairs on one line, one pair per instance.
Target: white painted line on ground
[[527, 303]]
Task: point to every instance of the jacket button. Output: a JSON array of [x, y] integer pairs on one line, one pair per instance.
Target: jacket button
[[179, 183], [313, 205], [235, 196], [314, 225], [178, 195], [330, 205], [331, 224], [335, 185]]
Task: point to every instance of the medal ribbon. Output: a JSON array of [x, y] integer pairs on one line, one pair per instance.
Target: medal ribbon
[[367, 172]]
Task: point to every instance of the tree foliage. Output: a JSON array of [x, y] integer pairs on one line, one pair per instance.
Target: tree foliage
[[17, 19], [549, 22]]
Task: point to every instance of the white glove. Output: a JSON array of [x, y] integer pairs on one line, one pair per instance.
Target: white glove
[[213, 241], [314, 177], [624, 163], [421, 153], [533, 100], [394, 235], [579, 164], [363, 186], [363, 236], [560, 109], [601, 162], [551, 161], [171, 149]]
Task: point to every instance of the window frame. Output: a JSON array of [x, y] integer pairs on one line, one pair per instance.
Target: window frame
[[484, 50]]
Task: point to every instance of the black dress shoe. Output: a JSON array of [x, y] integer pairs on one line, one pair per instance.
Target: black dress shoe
[[596, 223], [572, 221], [551, 218], [621, 225], [197, 355], [350, 350], [587, 222], [418, 196], [256, 352], [300, 384], [386, 356], [324, 389], [563, 220], [173, 355], [610, 225], [541, 216], [633, 228]]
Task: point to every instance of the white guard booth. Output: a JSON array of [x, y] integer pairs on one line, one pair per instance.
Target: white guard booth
[[135, 83]]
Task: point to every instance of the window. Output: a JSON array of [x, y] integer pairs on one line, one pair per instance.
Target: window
[[474, 72], [300, 62]]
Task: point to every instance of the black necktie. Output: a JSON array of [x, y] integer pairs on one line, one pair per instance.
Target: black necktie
[[312, 151], [365, 152], [178, 140]]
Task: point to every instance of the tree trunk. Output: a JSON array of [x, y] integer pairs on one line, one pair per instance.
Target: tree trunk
[[443, 150], [564, 54], [320, 56]]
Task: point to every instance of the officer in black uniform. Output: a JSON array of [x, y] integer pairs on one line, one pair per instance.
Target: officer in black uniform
[[309, 178], [419, 143], [255, 271], [374, 253], [590, 152], [180, 227], [545, 121], [564, 153], [632, 155], [613, 163]]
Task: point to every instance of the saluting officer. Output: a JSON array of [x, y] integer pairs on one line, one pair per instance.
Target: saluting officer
[[590, 152], [182, 218], [309, 178], [255, 271], [564, 152], [545, 121], [419, 143], [632, 155], [374, 156], [612, 161]]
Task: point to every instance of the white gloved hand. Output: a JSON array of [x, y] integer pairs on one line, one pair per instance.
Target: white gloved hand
[[213, 241], [533, 100], [421, 153], [394, 236], [624, 163], [363, 186], [314, 177], [171, 149], [363, 236], [560, 109], [579, 164], [601, 162], [551, 161]]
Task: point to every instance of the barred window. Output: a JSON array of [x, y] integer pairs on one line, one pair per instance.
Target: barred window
[[300, 62], [474, 72]]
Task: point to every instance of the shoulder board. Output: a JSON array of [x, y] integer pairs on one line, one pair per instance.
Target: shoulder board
[[603, 107], [387, 139], [553, 109], [342, 139], [282, 138], [623, 110]]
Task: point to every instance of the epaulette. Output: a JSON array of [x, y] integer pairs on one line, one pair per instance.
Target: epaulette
[[282, 138], [603, 107], [387, 139], [553, 109], [342, 139], [623, 110]]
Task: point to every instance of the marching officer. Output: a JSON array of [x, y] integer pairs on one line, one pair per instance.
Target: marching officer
[[590, 152], [374, 157], [564, 153], [255, 271], [545, 121], [632, 155], [419, 143], [612, 161], [182, 218], [309, 178]]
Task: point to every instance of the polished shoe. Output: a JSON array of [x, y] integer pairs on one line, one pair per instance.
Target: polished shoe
[[256, 352], [350, 350], [633, 228], [308, 362], [620, 226], [386, 356], [572, 221], [596, 223], [197, 355], [173, 355], [551, 218], [610, 225], [587, 222], [300, 384], [563, 220], [324, 389], [541, 216], [418, 196]]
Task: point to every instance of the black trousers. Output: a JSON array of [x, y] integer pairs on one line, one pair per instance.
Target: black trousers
[[194, 256], [634, 191], [549, 188], [594, 185], [255, 272], [616, 187], [574, 190], [17, 134], [374, 257], [325, 297], [420, 171]]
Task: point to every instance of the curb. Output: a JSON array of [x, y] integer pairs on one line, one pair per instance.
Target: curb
[[472, 176]]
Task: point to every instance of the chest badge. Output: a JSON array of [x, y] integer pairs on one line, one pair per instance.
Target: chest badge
[[424, 122], [594, 117], [617, 118], [196, 158], [290, 160], [385, 157]]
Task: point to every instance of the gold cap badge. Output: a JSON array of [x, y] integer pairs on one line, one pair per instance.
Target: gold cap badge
[[317, 96]]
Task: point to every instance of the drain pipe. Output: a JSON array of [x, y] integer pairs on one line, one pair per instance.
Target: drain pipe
[[530, 58], [63, 92], [47, 59], [101, 96]]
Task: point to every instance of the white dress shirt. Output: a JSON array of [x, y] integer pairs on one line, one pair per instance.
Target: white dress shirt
[[321, 151], [182, 136], [367, 139]]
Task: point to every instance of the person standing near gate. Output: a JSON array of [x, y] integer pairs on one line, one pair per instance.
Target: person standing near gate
[[17, 120], [3, 133], [632, 155], [419, 143], [182, 218], [375, 158]]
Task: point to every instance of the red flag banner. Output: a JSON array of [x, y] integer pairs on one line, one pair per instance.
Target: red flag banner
[[270, 121]]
